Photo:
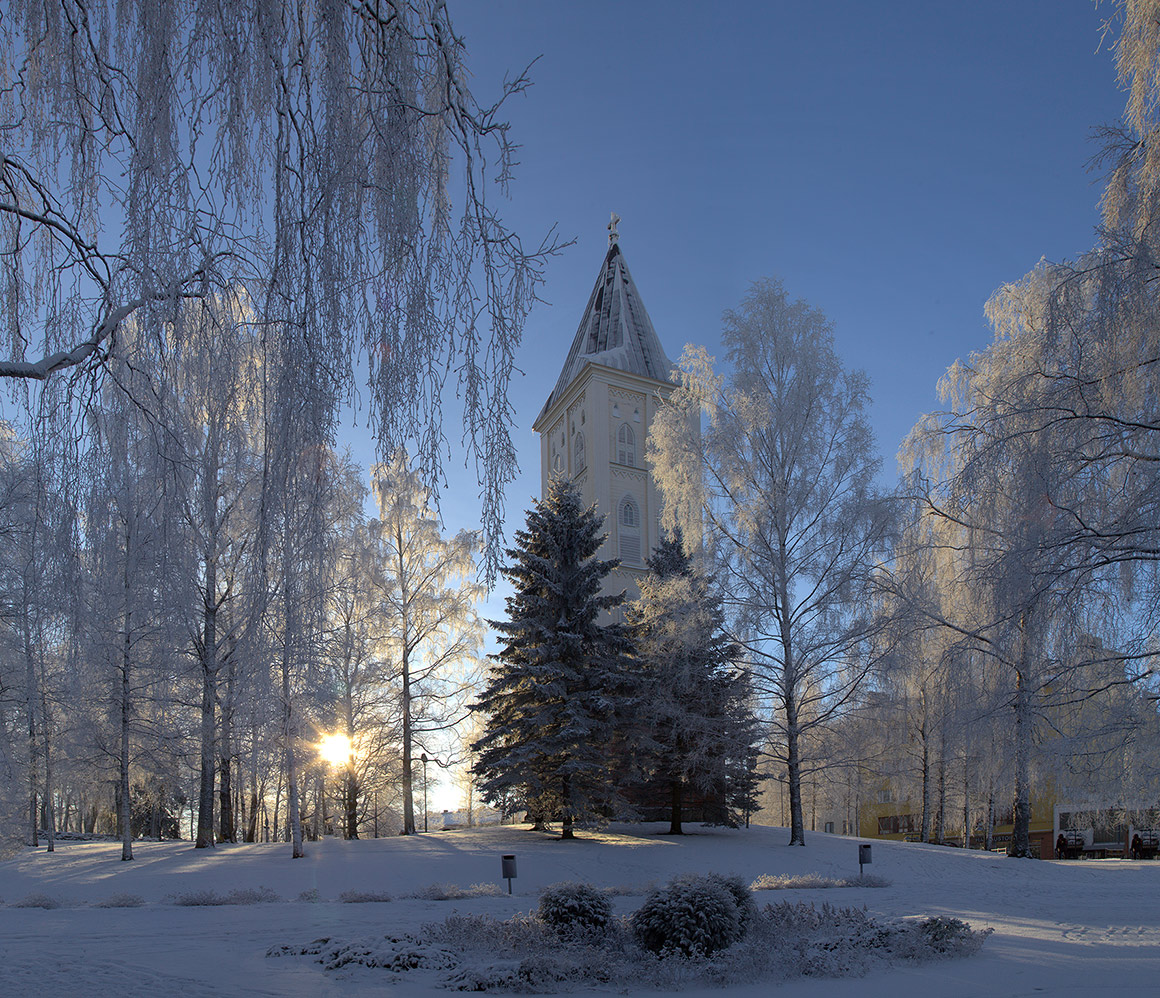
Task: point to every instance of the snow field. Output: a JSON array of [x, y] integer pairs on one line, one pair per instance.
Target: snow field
[[1086, 928]]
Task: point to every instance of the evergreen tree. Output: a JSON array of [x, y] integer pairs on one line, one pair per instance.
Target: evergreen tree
[[561, 685], [701, 724]]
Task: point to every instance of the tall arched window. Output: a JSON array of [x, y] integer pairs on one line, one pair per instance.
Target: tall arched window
[[578, 452], [626, 446], [628, 531]]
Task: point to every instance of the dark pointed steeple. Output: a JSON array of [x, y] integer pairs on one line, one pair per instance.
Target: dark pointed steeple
[[616, 330]]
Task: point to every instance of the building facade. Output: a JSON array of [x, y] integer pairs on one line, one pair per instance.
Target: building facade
[[594, 426]]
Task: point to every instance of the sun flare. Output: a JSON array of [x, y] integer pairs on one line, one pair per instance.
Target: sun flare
[[335, 749]]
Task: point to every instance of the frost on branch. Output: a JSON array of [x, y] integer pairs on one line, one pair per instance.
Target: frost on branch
[[306, 152]]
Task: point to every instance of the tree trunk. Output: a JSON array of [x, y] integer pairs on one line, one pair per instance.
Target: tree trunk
[[566, 807], [205, 801], [252, 828], [1021, 826], [923, 734], [940, 814], [408, 794], [966, 801], [675, 806], [46, 729], [125, 802], [296, 850], [30, 707], [226, 821], [793, 767], [793, 762]]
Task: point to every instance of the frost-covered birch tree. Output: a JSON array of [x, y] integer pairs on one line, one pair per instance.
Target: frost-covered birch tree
[[784, 488], [328, 157], [426, 594]]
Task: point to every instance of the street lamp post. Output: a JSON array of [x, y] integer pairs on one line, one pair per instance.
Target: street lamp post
[[423, 759]]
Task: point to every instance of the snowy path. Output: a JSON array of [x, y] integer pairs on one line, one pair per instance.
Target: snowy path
[[1088, 928]]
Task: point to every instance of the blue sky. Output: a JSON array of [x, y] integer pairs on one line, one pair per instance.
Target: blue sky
[[892, 163]]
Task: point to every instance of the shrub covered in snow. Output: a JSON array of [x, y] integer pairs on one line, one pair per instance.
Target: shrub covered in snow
[[575, 909], [121, 901], [526, 954], [453, 892], [691, 916], [813, 881], [363, 897], [37, 901], [240, 895]]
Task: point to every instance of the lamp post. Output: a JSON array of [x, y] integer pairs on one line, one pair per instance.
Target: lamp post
[[423, 759]]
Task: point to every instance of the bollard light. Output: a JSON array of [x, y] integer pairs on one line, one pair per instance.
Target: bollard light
[[508, 867]]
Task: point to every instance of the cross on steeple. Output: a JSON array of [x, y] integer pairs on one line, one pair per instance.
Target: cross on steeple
[[613, 235]]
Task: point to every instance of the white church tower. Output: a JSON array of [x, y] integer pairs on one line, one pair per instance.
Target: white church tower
[[595, 423]]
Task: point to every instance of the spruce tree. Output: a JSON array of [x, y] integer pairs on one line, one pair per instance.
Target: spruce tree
[[698, 702], [561, 685]]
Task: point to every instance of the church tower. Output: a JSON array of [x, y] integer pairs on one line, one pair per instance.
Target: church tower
[[595, 423]]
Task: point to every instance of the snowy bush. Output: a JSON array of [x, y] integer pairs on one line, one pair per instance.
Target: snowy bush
[[37, 901], [812, 881], [950, 936], [240, 895], [692, 916], [574, 909], [363, 897], [519, 936], [742, 897], [121, 901], [252, 895], [311, 896], [526, 954], [453, 892], [394, 953]]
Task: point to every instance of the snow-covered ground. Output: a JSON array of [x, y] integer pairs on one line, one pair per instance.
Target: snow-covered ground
[[1081, 928]]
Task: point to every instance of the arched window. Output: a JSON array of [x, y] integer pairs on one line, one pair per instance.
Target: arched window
[[628, 531], [578, 452], [626, 446], [557, 463]]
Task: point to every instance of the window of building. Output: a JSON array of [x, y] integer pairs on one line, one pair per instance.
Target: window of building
[[578, 452], [628, 531], [626, 446]]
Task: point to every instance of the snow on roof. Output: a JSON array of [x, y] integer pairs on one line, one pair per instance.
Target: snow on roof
[[615, 331]]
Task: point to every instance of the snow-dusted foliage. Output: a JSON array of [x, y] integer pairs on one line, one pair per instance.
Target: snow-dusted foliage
[[240, 895], [812, 881], [575, 909], [562, 686], [697, 709], [1036, 521], [426, 593], [525, 955], [693, 916], [307, 152], [782, 492], [364, 897], [121, 901]]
